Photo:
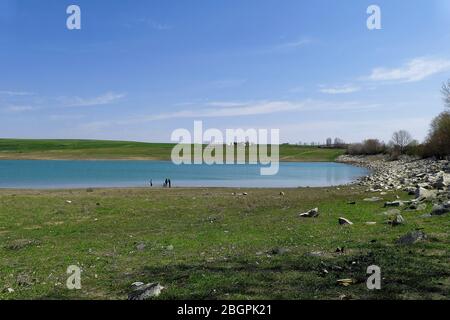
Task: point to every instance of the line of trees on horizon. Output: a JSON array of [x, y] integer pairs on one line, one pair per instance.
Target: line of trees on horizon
[[437, 143]]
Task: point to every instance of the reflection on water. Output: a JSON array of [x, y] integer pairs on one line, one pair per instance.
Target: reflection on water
[[77, 174]]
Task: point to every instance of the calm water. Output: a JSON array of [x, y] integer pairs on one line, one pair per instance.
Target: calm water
[[81, 174]]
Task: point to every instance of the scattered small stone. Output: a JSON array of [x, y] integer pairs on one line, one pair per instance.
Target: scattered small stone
[[344, 221], [371, 223], [373, 199], [169, 248], [339, 250], [145, 291], [137, 284], [439, 210], [140, 246], [278, 251], [315, 254], [21, 243], [393, 204], [345, 282], [398, 220], [281, 193], [24, 280], [68, 201], [412, 238], [313, 213]]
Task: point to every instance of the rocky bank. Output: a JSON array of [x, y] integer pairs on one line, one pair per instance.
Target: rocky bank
[[427, 179]]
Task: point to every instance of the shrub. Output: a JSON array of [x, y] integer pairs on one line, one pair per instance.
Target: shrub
[[438, 141], [368, 147]]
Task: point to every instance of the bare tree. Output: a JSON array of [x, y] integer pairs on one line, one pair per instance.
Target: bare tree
[[401, 139], [446, 93], [329, 142]]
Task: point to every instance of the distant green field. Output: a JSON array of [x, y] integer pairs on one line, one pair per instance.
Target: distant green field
[[98, 149]]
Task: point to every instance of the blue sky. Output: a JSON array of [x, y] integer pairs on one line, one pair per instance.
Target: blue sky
[[139, 69]]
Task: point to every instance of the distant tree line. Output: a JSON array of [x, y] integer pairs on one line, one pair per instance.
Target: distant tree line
[[437, 143], [337, 143]]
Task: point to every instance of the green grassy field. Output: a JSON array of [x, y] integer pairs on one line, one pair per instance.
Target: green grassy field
[[94, 149], [211, 244]]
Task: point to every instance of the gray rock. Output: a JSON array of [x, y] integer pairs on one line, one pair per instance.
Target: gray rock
[[439, 210], [313, 213], [442, 181], [398, 220], [145, 291], [278, 251], [140, 246], [344, 221], [412, 238], [422, 193], [373, 199], [417, 206], [315, 254], [393, 204]]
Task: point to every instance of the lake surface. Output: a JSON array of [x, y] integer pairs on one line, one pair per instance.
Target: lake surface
[[82, 174]]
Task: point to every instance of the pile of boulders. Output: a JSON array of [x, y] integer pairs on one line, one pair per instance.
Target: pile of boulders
[[427, 179]]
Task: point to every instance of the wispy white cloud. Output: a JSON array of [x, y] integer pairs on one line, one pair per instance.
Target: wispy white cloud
[[63, 117], [237, 109], [284, 47], [226, 104], [104, 99], [345, 89], [293, 44], [258, 108], [18, 108], [153, 24], [228, 83], [16, 93], [414, 70]]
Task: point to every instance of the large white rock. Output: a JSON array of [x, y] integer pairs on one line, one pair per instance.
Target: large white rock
[[425, 193], [442, 181]]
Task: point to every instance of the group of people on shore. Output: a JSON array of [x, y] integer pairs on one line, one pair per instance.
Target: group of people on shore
[[167, 183]]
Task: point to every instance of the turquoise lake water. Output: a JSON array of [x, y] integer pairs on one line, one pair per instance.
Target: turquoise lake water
[[81, 174]]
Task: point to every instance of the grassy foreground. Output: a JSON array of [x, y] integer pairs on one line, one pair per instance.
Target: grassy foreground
[[122, 150], [211, 244]]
